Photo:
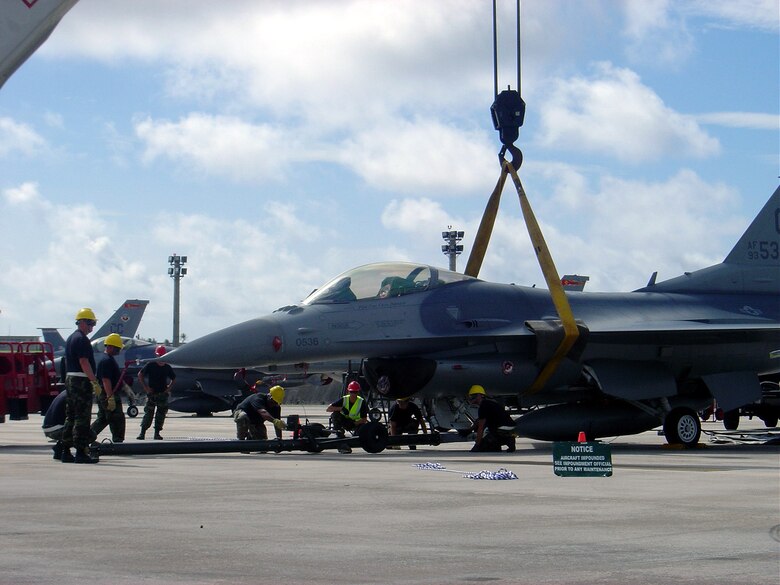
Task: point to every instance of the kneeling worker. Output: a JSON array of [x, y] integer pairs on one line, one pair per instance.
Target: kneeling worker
[[405, 417], [254, 410], [349, 412], [494, 425]]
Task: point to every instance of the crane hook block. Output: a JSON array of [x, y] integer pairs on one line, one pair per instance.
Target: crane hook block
[[508, 112]]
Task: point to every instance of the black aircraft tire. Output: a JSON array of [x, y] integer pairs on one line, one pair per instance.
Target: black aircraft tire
[[770, 421], [373, 437], [731, 420], [132, 411], [682, 427]]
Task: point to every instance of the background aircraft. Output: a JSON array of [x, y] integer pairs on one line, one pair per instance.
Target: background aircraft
[[655, 355], [125, 321]]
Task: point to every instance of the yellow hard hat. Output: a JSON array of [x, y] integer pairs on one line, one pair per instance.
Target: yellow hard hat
[[114, 340], [86, 313], [277, 394], [476, 389]]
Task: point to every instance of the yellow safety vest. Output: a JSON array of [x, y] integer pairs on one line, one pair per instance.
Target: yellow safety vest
[[353, 411]]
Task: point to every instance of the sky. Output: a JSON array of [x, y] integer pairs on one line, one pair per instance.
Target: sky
[[277, 143]]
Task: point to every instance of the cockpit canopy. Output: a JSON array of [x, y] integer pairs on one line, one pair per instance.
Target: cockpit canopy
[[382, 281]]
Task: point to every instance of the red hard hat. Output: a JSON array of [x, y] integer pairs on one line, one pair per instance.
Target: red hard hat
[[160, 350], [353, 386]]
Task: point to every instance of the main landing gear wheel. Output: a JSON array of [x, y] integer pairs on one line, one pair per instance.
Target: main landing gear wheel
[[132, 411], [373, 437], [682, 427]]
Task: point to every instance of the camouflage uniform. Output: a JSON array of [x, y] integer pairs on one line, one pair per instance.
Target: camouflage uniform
[[113, 419], [78, 403], [158, 374], [246, 428], [78, 412], [156, 401]]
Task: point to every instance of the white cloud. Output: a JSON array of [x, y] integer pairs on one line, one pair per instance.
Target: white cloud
[[222, 145], [751, 120], [656, 35], [18, 137], [25, 194], [421, 157], [759, 14], [613, 113]]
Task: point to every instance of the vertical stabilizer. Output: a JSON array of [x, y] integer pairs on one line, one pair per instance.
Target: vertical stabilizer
[[752, 266], [760, 244], [52, 335], [24, 26], [124, 321]]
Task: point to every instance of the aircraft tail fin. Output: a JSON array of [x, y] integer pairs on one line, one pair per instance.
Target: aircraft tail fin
[[124, 321], [52, 335], [25, 26], [752, 266]]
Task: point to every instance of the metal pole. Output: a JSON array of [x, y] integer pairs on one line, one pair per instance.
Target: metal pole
[[176, 279]]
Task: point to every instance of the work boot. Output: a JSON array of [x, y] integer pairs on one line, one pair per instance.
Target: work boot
[[57, 448], [511, 446], [141, 436], [67, 457], [157, 436], [83, 457], [345, 449], [412, 447]]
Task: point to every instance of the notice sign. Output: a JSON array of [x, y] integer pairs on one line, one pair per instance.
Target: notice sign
[[582, 459]]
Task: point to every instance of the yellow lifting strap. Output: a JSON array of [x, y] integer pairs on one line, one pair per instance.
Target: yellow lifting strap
[[561, 303]]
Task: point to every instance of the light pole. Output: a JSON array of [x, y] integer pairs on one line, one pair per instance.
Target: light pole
[[452, 248], [176, 271]]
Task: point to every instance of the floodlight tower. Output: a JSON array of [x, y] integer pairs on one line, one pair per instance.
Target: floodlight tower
[[176, 271], [452, 248]]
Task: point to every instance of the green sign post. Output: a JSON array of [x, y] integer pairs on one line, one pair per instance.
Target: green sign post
[[590, 459]]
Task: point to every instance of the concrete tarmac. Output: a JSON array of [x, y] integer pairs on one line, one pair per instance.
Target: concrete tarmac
[[708, 515]]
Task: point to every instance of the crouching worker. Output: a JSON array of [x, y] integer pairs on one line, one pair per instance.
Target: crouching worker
[[405, 417], [495, 427], [254, 410], [349, 412]]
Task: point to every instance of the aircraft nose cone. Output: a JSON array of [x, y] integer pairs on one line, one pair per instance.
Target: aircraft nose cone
[[247, 344]]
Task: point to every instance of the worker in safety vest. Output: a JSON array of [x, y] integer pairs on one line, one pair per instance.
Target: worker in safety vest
[[348, 412]]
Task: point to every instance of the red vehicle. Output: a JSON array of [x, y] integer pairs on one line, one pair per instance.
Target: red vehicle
[[28, 381]]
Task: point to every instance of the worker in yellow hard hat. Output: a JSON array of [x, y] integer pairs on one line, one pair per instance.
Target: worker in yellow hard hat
[[250, 415], [110, 411], [494, 426], [80, 384]]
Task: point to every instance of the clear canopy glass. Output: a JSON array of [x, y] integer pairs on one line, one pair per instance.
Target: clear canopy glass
[[383, 281]]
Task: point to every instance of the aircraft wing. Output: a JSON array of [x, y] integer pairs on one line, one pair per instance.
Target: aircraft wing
[[24, 26]]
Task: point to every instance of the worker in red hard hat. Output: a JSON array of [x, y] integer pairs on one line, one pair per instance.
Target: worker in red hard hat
[[161, 378], [349, 412]]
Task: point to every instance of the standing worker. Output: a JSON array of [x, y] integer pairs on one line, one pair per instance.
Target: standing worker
[[161, 379], [80, 385], [254, 410], [405, 417], [348, 412], [494, 425], [110, 411]]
